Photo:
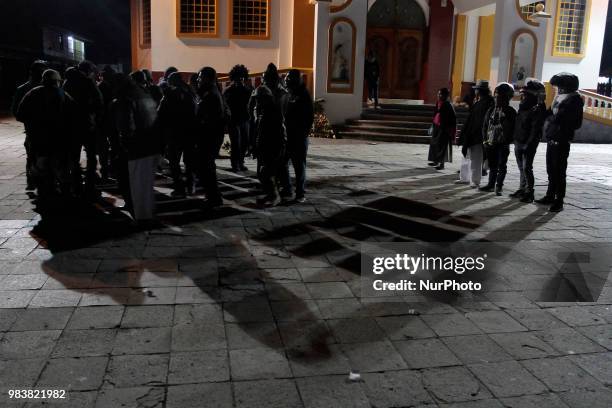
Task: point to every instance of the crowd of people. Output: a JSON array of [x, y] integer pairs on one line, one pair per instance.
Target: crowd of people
[[493, 124], [127, 125]]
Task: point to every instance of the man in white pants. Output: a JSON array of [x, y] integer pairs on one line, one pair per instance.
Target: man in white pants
[[472, 136]]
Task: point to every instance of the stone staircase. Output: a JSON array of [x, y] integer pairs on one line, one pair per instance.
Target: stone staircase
[[397, 123]]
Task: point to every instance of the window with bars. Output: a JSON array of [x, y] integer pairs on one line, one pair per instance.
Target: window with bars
[[528, 10], [250, 19], [570, 27], [197, 18], [145, 15]]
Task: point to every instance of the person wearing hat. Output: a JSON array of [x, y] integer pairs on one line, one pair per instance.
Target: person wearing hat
[[527, 135], [470, 137], [210, 123], [498, 131], [565, 118]]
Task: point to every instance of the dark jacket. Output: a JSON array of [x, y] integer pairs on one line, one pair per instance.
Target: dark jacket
[[448, 117], [299, 113], [372, 70], [87, 98], [136, 119], [47, 113], [20, 93], [565, 118], [177, 113], [210, 119], [237, 98], [499, 126], [471, 134], [270, 105], [529, 124]]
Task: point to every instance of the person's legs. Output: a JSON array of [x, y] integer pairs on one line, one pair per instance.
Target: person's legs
[[284, 178], [92, 161], [298, 158], [492, 158], [236, 145], [375, 93], [30, 162], [562, 157], [244, 143], [173, 153], [475, 153], [519, 153], [528, 159], [502, 167], [208, 177]]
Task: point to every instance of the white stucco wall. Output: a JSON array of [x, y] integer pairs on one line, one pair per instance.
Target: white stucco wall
[[191, 54], [507, 23], [586, 68], [339, 106]]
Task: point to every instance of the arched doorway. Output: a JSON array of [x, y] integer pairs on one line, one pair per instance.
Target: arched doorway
[[395, 34]]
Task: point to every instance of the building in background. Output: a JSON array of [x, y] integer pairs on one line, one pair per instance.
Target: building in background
[[422, 45]]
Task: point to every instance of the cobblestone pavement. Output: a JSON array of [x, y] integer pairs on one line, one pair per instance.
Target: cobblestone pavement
[[251, 308]]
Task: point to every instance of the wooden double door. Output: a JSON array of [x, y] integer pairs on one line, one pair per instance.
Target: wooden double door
[[400, 55]]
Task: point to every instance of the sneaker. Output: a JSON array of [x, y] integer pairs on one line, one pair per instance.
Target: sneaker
[[271, 201], [461, 182], [432, 164], [499, 191], [486, 189], [556, 207], [546, 200], [474, 185], [518, 193], [300, 200], [527, 198], [440, 166]]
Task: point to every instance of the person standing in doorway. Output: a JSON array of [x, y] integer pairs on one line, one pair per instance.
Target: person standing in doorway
[[372, 77]]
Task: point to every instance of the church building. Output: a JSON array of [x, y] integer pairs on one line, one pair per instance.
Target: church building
[[422, 45]]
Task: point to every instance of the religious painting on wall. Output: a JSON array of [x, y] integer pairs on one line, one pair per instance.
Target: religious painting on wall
[[341, 60]]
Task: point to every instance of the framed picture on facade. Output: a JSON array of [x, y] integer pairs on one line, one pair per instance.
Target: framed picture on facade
[[341, 59]]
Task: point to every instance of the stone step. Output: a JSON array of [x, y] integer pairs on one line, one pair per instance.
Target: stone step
[[389, 123], [409, 114], [383, 137], [390, 130]]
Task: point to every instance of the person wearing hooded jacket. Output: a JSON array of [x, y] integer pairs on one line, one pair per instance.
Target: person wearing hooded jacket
[[498, 131], [176, 116], [46, 111], [471, 137], [237, 97], [566, 115], [268, 103], [36, 72], [528, 134], [299, 117], [210, 130]]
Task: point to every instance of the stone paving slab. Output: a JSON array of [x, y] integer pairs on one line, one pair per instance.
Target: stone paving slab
[[245, 307]]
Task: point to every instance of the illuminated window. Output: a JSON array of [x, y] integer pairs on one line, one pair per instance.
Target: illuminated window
[[570, 28], [530, 9], [145, 12], [249, 19], [197, 18]]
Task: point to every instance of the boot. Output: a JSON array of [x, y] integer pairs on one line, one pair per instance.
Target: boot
[[557, 206], [487, 189], [546, 200], [499, 190], [517, 194], [528, 198]]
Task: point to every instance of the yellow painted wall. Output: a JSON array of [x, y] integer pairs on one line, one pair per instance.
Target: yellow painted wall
[[484, 53], [459, 58], [303, 34]]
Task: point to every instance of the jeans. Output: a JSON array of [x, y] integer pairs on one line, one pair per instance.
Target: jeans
[[373, 91], [525, 154], [557, 154], [239, 139], [497, 155], [297, 150]]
